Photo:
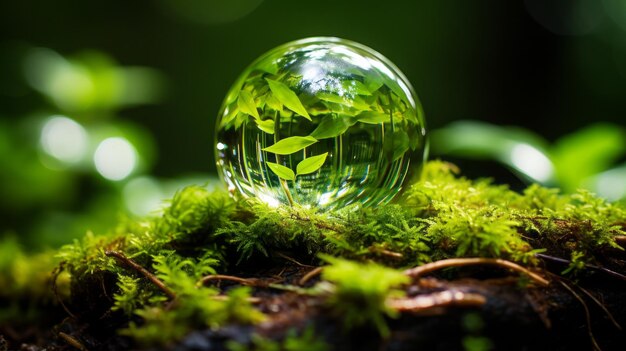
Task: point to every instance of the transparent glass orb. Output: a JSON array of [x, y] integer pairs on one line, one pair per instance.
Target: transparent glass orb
[[320, 122]]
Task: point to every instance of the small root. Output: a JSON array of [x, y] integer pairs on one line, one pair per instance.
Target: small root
[[72, 341], [588, 266], [134, 265], [448, 298], [594, 343], [602, 307], [293, 260], [385, 252], [232, 278], [312, 273], [251, 299], [461, 262]]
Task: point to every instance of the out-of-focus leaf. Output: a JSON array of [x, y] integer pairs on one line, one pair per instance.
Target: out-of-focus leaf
[[610, 184], [519, 149], [587, 152]]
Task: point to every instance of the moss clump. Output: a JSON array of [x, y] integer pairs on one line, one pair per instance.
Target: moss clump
[[156, 268], [360, 292]]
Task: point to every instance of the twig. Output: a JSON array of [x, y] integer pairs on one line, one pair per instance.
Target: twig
[[312, 273], [292, 260], [594, 343], [251, 299], [602, 306], [621, 239], [438, 299], [72, 341], [589, 266], [385, 252], [134, 265], [243, 281], [459, 262]]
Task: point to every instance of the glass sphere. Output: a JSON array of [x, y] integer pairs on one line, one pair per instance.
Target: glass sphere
[[320, 122]]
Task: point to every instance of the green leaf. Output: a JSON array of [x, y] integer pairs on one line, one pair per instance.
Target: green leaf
[[587, 152], [331, 126], [246, 104], [396, 144], [373, 82], [373, 117], [311, 164], [281, 171], [240, 118], [287, 97], [273, 102], [267, 126], [330, 97], [355, 87], [290, 145], [230, 116]]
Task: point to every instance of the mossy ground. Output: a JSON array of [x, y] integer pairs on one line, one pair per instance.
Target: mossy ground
[[224, 274]]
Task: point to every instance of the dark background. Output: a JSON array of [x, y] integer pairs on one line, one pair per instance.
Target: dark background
[[550, 66]]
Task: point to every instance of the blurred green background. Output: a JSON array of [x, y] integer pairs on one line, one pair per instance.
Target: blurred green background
[[107, 107]]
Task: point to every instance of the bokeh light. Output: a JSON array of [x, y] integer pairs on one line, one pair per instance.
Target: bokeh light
[[115, 158], [611, 184], [143, 195], [68, 85], [64, 139]]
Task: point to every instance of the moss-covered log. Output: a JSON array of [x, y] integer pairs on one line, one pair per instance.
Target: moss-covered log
[[452, 264]]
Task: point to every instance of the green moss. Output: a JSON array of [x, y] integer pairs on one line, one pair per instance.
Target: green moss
[[442, 216], [360, 291]]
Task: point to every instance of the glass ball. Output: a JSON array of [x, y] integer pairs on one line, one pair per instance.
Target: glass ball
[[320, 122]]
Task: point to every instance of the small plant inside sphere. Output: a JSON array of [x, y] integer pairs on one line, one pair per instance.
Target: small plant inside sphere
[[320, 122]]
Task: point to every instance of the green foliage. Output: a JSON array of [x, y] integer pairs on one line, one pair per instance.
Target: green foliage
[[361, 290], [195, 305], [130, 296], [24, 275], [194, 209]]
